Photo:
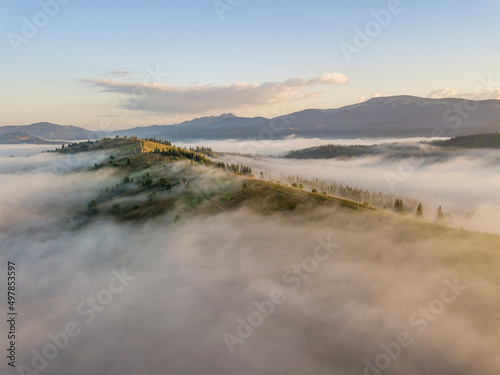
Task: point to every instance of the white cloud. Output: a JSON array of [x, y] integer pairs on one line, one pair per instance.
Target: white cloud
[[163, 98], [120, 73], [332, 79], [473, 95], [363, 99]]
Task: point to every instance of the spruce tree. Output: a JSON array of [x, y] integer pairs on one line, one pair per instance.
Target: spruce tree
[[440, 214], [420, 211]]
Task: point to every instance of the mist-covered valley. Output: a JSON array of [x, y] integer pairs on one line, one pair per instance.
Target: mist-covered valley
[[229, 187], [239, 290], [462, 181]]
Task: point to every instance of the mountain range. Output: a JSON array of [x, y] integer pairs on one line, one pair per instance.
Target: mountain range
[[52, 132], [22, 138], [396, 116]]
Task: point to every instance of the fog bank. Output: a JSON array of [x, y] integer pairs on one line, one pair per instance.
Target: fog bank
[[164, 297]]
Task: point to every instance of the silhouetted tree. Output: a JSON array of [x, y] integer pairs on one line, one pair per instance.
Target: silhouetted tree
[[153, 197], [420, 211], [92, 208], [399, 205], [440, 214], [117, 209]]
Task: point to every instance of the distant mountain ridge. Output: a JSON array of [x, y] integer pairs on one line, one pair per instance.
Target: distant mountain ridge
[[52, 132], [22, 138], [212, 127], [388, 117], [396, 116]]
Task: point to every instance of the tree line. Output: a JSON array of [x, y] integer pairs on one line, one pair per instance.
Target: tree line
[[179, 153]]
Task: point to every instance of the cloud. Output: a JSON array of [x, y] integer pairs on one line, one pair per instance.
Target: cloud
[[332, 79], [473, 95], [163, 98], [192, 281], [120, 73], [32, 184], [363, 99], [460, 182]]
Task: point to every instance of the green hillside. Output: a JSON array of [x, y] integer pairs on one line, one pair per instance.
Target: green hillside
[[487, 140], [331, 151], [157, 178]]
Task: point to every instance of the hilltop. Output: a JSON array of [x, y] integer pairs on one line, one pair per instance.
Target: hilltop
[[442, 148], [157, 177], [331, 151], [488, 140]]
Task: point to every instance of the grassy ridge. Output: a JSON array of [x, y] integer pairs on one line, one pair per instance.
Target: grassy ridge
[[331, 151], [186, 188], [154, 184], [487, 140], [475, 141]]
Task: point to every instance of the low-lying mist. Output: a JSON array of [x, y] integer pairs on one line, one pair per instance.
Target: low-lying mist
[[325, 292], [280, 146], [38, 188], [461, 183]]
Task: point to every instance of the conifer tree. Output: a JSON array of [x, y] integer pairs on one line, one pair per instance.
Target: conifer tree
[[420, 211], [440, 214]]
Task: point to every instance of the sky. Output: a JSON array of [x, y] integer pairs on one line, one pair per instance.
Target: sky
[[108, 65]]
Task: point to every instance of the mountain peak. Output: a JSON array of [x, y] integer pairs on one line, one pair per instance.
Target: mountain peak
[[227, 115], [43, 123], [399, 99]]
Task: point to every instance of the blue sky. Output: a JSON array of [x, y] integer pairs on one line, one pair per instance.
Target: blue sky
[[90, 62]]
